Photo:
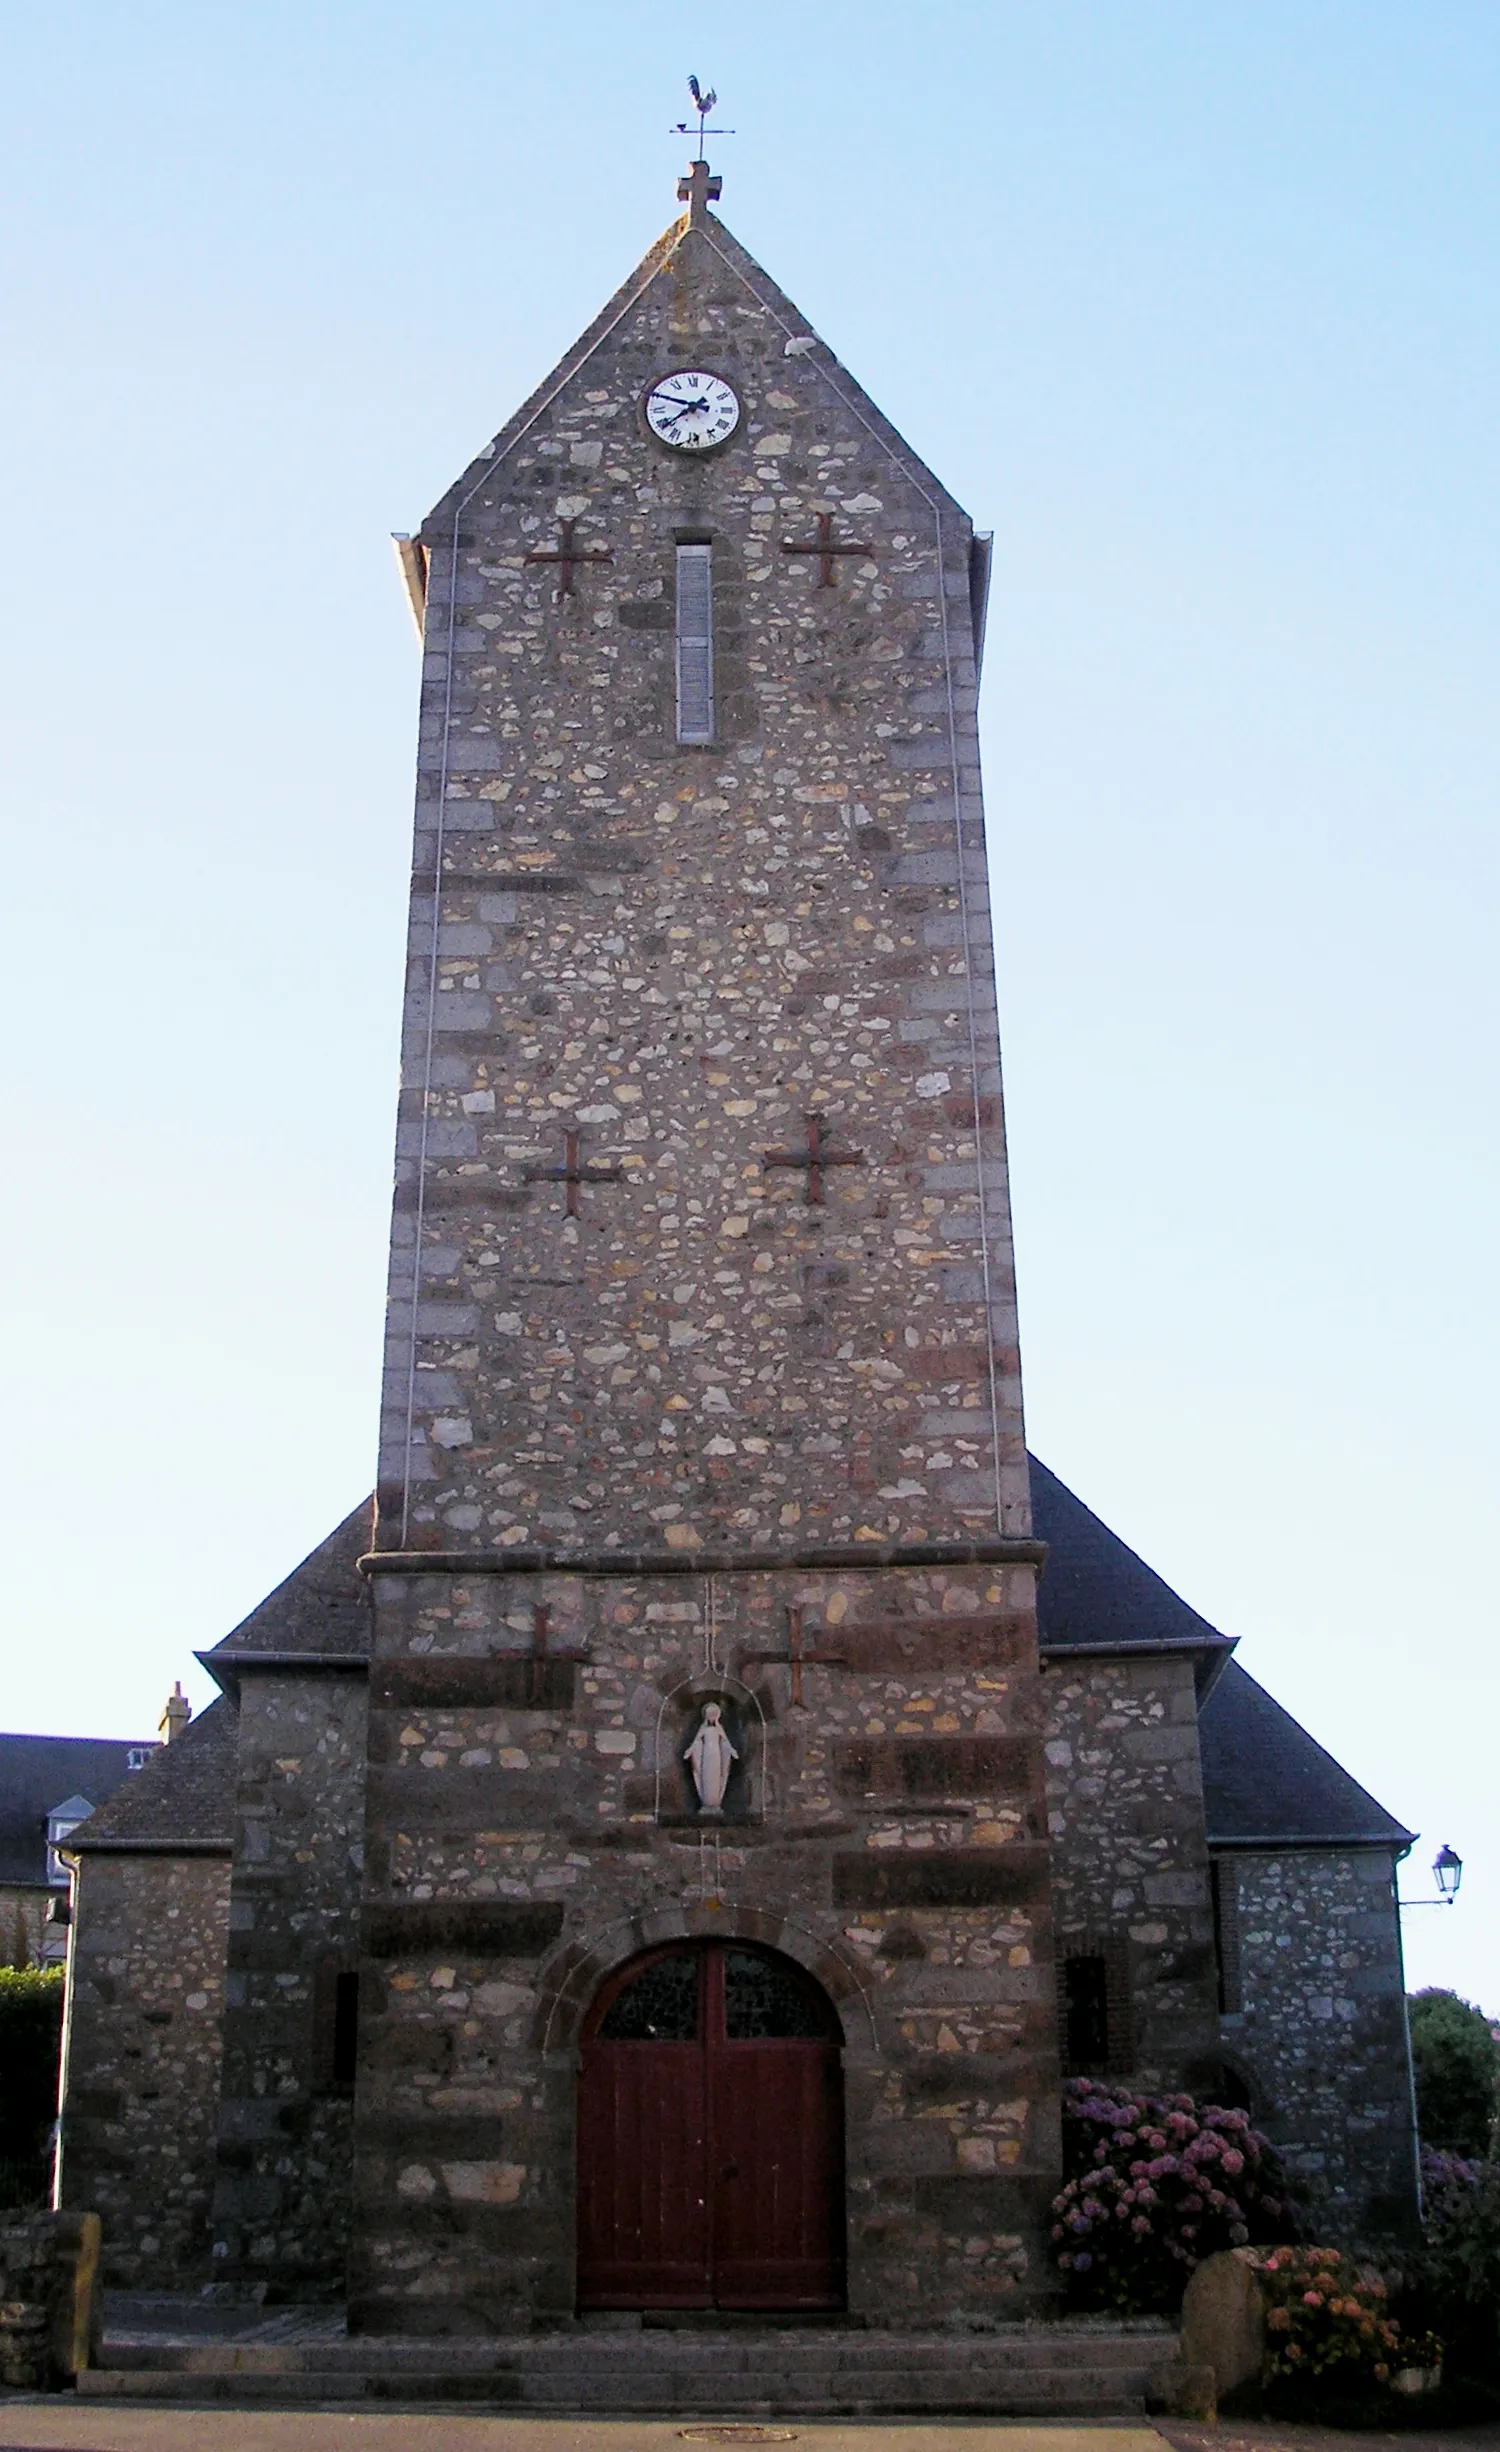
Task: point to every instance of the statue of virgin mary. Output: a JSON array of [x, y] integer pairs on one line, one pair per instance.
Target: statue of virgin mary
[[709, 1758]]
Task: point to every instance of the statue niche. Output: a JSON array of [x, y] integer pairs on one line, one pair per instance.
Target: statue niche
[[709, 1759]]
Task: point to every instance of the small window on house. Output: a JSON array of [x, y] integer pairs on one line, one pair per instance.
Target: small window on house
[[345, 2029], [695, 644], [61, 1825], [138, 1757], [1224, 1885]]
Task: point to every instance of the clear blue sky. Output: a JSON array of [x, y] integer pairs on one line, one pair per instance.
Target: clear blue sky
[[1194, 304]]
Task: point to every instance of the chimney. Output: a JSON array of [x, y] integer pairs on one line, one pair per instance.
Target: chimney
[[175, 1714]]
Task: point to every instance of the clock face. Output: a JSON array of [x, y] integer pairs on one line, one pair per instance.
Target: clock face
[[692, 411]]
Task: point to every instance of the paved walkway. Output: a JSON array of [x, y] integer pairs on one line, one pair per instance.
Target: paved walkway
[[1240, 2435], [59, 2425]]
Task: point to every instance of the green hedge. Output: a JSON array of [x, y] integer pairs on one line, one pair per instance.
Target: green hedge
[[31, 2003]]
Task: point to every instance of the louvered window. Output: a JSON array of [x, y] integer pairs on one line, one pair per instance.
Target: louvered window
[[1094, 2006], [695, 643], [1226, 1904]]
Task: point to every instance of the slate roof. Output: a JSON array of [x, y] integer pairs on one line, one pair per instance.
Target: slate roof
[[184, 1798], [1095, 1591], [1265, 1778], [37, 1774], [322, 1609]]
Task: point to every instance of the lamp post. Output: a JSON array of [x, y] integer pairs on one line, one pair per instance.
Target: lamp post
[[1447, 1872]]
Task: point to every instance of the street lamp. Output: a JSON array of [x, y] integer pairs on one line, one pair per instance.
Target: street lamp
[[1447, 1872]]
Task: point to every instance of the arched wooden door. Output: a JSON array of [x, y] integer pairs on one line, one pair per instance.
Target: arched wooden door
[[711, 2135]]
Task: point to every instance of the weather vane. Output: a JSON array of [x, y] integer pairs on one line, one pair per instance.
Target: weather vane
[[703, 103]]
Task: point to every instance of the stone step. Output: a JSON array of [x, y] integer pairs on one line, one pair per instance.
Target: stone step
[[1027, 2371], [615, 2356], [1059, 2392]]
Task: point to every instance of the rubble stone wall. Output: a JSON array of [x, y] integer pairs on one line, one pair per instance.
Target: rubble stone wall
[[281, 2206], [887, 1833], [681, 954], [24, 1927], [1129, 1854], [1321, 2030], [49, 2300], [143, 2030], [701, 1258]]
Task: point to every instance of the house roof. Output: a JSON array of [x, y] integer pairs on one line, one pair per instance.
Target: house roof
[[320, 1611], [37, 1774], [182, 1800], [1266, 1779], [1095, 1594]]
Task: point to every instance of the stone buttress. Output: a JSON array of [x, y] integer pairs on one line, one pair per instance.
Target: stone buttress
[[702, 1377]]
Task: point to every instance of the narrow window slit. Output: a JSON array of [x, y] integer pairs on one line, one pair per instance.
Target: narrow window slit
[[695, 644]]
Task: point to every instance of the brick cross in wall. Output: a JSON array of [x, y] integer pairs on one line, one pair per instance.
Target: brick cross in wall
[[574, 1171], [815, 1158], [825, 549], [796, 1657], [568, 557]]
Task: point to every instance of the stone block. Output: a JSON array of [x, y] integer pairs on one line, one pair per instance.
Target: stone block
[[1224, 2321], [1177, 2390], [489, 1929], [941, 1877], [50, 2300]]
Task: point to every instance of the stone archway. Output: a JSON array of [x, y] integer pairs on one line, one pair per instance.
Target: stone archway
[[710, 2133]]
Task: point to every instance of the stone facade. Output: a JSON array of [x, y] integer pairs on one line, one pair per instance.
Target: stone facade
[[682, 954], [1315, 2012], [708, 1399], [885, 1834], [702, 1385], [281, 2203], [144, 2035], [1130, 1860]]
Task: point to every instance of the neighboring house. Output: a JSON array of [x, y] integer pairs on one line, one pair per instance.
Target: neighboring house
[[48, 1785]]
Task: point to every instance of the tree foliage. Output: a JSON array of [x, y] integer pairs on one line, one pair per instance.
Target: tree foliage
[[1455, 2278], [1456, 2062]]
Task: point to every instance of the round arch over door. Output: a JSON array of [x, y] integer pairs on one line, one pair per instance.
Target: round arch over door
[[711, 2134]]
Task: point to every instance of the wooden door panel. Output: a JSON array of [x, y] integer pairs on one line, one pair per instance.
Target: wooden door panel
[[776, 2161], [643, 2230], [710, 2172]]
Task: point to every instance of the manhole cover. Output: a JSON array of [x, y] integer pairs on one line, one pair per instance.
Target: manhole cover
[[738, 2434]]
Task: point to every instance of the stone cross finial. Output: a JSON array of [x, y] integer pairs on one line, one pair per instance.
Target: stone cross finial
[[698, 188], [176, 1712]]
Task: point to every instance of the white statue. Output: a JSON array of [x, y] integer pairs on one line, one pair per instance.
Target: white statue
[[709, 1758]]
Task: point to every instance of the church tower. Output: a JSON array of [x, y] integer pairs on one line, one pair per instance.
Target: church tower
[[706, 1925]]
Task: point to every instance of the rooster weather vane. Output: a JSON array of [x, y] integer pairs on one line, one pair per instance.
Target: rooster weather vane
[[704, 101]]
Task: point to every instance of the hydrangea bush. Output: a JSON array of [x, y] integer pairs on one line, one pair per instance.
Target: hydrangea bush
[[1329, 2322], [1154, 2184]]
